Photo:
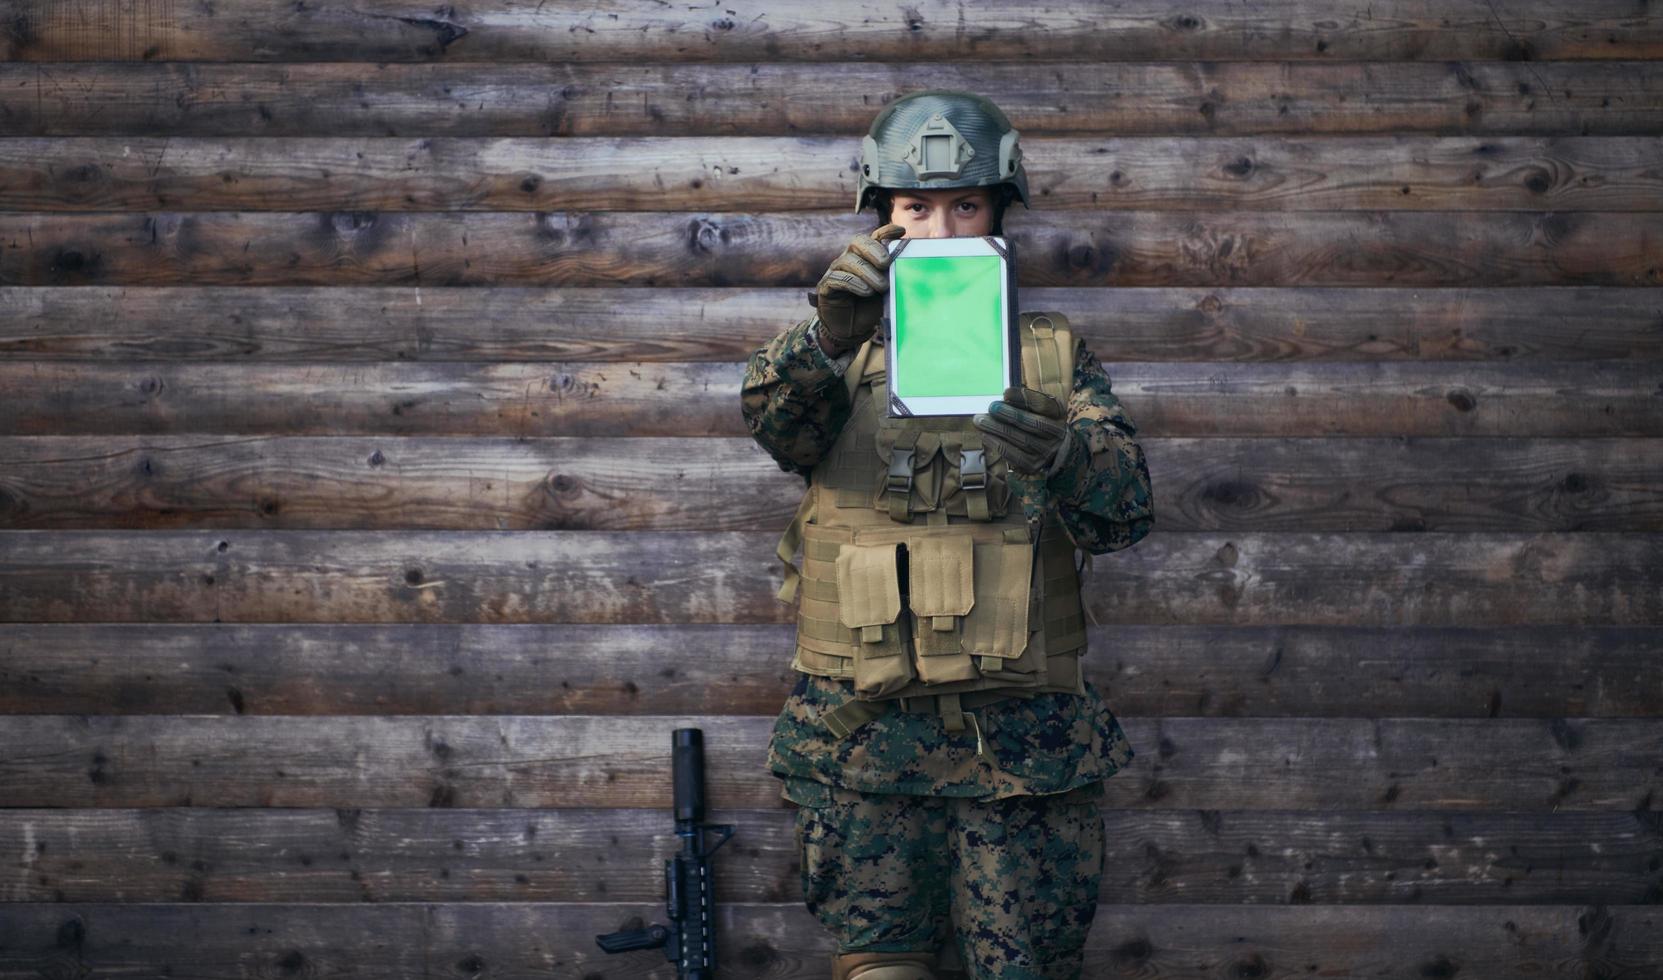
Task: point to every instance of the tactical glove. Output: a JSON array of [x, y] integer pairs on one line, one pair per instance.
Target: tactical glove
[[1031, 428], [850, 296]]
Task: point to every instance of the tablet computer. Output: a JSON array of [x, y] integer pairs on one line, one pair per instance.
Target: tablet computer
[[950, 338]]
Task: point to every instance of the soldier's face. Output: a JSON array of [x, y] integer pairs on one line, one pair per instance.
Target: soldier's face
[[945, 213]]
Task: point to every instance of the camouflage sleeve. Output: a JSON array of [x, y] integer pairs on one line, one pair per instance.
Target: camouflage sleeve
[[1102, 492], [794, 399]]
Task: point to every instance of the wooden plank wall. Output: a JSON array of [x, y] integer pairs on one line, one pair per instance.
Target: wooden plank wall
[[374, 497]]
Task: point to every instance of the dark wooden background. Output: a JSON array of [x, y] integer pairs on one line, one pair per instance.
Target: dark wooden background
[[374, 497]]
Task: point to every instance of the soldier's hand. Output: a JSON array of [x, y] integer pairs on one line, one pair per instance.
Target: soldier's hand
[[850, 296], [1030, 427]]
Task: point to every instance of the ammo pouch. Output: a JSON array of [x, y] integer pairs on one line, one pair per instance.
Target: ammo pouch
[[965, 616], [919, 465]]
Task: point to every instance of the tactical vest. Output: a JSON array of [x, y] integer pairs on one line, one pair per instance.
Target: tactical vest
[[921, 580]]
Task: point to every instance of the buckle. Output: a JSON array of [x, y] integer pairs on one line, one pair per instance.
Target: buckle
[[973, 469], [900, 471]]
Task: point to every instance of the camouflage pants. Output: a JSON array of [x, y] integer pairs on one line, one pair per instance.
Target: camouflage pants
[[1016, 880]]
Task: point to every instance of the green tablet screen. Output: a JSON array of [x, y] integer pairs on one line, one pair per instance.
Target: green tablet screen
[[949, 338]]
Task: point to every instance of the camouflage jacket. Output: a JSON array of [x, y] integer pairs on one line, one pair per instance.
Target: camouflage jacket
[[795, 403]]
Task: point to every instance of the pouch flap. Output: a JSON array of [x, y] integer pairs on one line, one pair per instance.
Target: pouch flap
[[925, 444], [868, 585], [942, 575], [999, 625]]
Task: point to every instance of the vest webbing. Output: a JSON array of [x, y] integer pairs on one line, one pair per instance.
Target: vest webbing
[[989, 612]]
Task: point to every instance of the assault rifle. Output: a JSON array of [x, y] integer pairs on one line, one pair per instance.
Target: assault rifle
[[689, 889]]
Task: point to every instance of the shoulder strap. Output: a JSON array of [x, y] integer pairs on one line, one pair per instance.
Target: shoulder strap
[[1048, 354], [856, 369]]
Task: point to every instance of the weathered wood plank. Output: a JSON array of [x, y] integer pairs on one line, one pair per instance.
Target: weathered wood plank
[[508, 855], [658, 398], [554, 98], [592, 761], [804, 30], [1170, 577], [1125, 248], [1288, 173], [785, 942], [519, 323], [730, 484], [1156, 671]]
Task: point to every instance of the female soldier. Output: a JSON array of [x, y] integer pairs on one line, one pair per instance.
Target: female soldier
[[942, 746]]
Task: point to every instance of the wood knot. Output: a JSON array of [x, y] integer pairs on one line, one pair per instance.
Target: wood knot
[[705, 236], [352, 221]]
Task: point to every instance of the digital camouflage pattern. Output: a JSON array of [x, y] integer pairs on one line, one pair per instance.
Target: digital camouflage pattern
[[1017, 880], [794, 400], [1102, 491], [1049, 743]]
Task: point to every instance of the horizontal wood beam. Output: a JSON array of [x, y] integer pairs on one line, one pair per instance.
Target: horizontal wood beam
[[1170, 577], [1545, 326], [802, 30], [530, 97], [735, 173], [1155, 671], [634, 399], [785, 942], [598, 855], [1319, 764], [1122, 248], [657, 484]]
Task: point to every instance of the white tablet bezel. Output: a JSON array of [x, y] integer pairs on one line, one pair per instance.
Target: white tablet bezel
[[984, 245]]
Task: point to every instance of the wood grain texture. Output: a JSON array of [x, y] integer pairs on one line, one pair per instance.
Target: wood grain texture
[[1122, 248], [351, 325], [730, 484], [374, 498], [785, 942], [1589, 578], [803, 30], [555, 98], [1316, 764], [1286, 173], [599, 855], [471, 669], [635, 399]]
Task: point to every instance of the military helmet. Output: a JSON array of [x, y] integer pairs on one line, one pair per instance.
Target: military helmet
[[937, 140]]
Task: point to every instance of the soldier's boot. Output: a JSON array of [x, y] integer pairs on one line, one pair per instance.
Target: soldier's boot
[[883, 966]]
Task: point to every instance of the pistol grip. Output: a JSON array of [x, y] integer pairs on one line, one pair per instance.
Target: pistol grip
[[623, 942]]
